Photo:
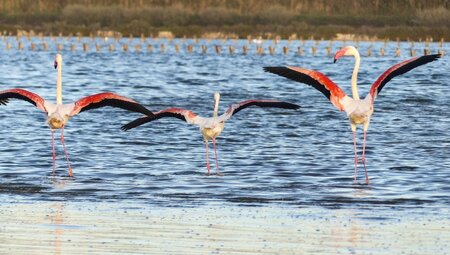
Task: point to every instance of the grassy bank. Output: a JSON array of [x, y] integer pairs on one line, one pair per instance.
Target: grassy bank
[[320, 19]]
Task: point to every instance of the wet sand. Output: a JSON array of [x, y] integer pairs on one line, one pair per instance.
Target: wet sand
[[114, 228]]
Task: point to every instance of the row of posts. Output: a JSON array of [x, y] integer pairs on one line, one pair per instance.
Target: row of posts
[[259, 49]]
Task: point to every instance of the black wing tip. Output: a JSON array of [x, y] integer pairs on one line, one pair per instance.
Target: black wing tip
[[128, 126], [124, 128], [273, 69], [291, 106], [137, 122], [142, 109], [437, 56], [430, 58], [296, 106]]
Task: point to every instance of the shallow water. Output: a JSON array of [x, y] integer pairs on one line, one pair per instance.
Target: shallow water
[[294, 161]]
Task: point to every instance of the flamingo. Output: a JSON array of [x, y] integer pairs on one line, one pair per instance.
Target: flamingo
[[58, 114], [209, 127], [358, 110]]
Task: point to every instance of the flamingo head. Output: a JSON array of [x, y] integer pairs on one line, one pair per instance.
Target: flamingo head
[[58, 60], [216, 104], [56, 121], [216, 97], [346, 51]]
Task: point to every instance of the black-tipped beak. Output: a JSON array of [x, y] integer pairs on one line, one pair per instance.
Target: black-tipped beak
[[334, 61], [56, 64]]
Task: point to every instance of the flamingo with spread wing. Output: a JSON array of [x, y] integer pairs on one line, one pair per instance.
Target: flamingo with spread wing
[[58, 114], [209, 127], [358, 110]]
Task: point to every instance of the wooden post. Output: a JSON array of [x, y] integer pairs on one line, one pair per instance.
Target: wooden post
[[260, 50], [244, 50], [369, 51], [218, 49], [231, 49], [137, 48], [85, 47], [190, 48]]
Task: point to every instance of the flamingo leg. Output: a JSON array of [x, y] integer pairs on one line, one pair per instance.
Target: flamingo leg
[[356, 154], [208, 167], [53, 152], [363, 159], [65, 152], [215, 153]]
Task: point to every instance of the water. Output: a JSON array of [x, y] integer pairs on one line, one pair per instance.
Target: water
[[299, 161]]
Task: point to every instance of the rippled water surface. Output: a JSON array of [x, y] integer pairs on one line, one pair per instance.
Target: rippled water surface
[[271, 158]]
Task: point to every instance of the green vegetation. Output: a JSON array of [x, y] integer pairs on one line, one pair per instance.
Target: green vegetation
[[318, 18]]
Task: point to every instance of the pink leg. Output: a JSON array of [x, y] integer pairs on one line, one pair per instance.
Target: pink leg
[[356, 154], [208, 167], [215, 153], [65, 152], [363, 159], [53, 152]]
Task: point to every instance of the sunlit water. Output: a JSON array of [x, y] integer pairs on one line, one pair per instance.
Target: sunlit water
[[297, 162]]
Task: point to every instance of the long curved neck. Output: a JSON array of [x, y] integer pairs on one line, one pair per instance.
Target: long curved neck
[[216, 108], [355, 76], [59, 84]]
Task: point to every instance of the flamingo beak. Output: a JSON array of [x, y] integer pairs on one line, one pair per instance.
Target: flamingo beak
[[56, 64], [339, 54]]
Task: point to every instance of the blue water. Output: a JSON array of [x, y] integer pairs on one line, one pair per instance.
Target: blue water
[[274, 157]]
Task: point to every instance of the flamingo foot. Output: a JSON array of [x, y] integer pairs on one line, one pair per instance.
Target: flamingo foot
[[53, 152], [65, 152], [215, 152], [208, 167], [363, 158], [356, 154], [365, 170], [356, 168]]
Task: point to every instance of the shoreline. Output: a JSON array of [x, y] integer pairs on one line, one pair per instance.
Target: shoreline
[[88, 227]]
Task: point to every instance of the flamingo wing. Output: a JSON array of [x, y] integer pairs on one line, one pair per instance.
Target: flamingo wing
[[22, 94], [313, 78], [178, 113], [235, 108], [108, 99], [399, 69]]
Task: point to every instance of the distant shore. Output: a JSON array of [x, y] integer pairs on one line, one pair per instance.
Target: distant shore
[[269, 19]]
